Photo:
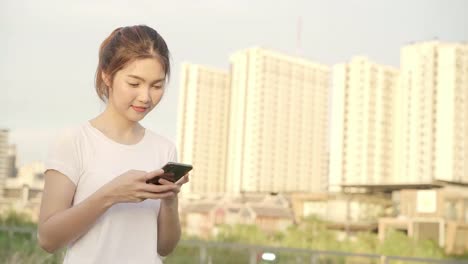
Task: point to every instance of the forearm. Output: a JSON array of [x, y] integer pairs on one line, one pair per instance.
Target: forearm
[[168, 227], [68, 225]]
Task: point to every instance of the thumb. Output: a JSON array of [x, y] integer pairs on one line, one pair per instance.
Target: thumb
[[150, 175]]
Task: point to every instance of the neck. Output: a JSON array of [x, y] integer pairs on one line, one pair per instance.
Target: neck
[[115, 124]]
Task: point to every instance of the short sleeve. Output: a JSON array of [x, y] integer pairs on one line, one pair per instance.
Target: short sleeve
[[63, 155]]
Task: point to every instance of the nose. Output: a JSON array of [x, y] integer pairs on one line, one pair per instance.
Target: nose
[[144, 95]]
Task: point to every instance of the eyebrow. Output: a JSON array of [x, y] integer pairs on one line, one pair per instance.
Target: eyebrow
[[141, 79]]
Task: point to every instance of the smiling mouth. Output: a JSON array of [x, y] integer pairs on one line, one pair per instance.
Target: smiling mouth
[[139, 109]]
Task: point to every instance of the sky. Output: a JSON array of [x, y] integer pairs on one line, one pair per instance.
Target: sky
[[49, 49]]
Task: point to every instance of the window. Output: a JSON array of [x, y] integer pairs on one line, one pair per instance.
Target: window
[[39, 176], [450, 210]]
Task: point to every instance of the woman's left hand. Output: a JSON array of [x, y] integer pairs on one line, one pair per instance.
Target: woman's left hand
[[175, 191]]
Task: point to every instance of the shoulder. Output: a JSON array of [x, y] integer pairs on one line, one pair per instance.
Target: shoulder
[[70, 138], [65, 152], [72, 131], [69, 132]]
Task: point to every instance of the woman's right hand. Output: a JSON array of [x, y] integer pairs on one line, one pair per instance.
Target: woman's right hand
[[132, 187]]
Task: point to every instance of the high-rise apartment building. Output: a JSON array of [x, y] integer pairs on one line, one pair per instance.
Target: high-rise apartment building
[[278, 130], [203, 126], [433, 113], [11, 161], [363, 123]]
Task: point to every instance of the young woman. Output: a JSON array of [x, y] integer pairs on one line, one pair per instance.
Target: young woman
[[96, 199]]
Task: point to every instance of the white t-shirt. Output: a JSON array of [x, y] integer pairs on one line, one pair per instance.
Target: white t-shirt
[[126, 232]]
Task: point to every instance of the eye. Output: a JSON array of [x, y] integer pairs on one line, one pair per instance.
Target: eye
[[157, 87], [133, 84]]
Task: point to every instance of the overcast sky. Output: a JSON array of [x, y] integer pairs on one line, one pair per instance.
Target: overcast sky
[[48, 49]]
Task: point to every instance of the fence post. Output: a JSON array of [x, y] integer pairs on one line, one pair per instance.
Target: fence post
[[253, 256], [314, 258], [203, 254], [383, 260]]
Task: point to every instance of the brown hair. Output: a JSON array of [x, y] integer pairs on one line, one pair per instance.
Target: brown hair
[[123, 46]]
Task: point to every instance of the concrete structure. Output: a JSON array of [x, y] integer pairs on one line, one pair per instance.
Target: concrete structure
[[363, 125], [432, 140], [203, 217], [438, 214], [3, 159], [342, 211], [203, 126], [11, 163], [23, 193], [278, 129]]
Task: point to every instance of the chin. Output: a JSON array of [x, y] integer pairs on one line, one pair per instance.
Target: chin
[[135, 118]]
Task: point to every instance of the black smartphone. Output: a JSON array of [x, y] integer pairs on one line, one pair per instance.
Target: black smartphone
[[173, 171]]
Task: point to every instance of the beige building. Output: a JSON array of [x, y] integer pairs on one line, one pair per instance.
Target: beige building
[[11, 163], [31, 175], [205, 215], [24, 191], [363, 124], [203, 126], [4, 164], [278, 123], [342, 211], [439, 214], [433, 113]]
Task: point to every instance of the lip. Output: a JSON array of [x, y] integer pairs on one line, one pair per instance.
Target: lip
[[139, 109]]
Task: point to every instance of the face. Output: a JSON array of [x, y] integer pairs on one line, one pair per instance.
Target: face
[[137, 88]]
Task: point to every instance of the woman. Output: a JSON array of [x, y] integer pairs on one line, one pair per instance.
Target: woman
[[96, 199]]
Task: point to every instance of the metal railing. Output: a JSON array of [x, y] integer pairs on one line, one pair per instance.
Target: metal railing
[[251, 254], [11, 230], [211, 252]]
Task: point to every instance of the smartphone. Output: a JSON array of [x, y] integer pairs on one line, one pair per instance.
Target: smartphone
[[173, 171]]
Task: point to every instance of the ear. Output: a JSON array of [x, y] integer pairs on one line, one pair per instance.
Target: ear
[[106, 79]]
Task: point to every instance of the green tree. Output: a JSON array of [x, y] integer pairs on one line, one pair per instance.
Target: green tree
[[13, 218], [250, 234], [398, 244], [312, 233], [365, 242]]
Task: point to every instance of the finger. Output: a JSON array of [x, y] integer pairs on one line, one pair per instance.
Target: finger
[[165, 182], [139, 197], [183, 180], [151, 195], [158, 188], [168, 177], [150, 175], [154, 180]]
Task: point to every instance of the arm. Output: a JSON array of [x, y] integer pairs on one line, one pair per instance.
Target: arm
[[168, 226], [59, 222], [169, 231]]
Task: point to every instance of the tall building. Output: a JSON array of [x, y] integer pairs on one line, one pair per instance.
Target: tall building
[[3, 159], [278, 123], [363, 125], [11, 163], [433, 139], [30, 175], [203, 126]]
